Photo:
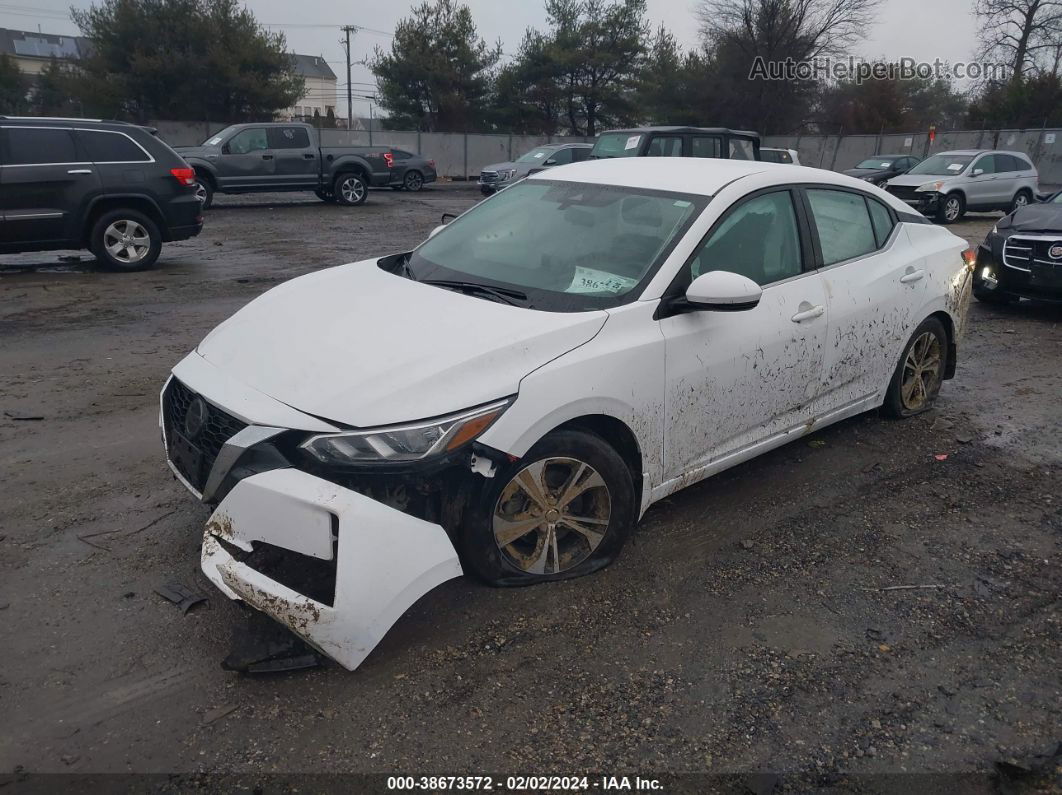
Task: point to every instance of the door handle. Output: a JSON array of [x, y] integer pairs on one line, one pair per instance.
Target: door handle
[[809, 314], [912, 276], [309, 156], [79, 171], [267, 157]]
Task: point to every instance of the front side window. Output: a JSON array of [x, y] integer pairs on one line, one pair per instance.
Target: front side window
[[759, 239], [987, 165], [252, 140], [561, 157], [706, 146], [28, 146], [665, 146], [111, 147], [287, 138], [942, 165], [843, 223], [568, 246]]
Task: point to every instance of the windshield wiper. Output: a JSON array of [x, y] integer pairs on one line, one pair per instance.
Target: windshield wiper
[[503, 294]]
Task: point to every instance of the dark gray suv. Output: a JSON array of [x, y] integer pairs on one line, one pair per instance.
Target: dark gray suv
[[109, 187]]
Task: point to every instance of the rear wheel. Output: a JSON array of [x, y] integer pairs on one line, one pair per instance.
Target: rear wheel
[[1021, 199], [350, 190], [918, 377], [125, 240], [413, 181], [951, 209], [562, 511]]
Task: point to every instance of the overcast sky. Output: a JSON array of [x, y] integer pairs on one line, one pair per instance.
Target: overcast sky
[[916, 29]]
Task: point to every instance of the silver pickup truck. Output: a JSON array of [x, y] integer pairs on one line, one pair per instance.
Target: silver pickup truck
[[287, 156]]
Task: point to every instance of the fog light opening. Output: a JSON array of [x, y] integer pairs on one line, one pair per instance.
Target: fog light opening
[[988, 278]]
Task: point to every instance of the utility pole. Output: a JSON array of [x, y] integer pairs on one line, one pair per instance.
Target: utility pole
[[348, 29]]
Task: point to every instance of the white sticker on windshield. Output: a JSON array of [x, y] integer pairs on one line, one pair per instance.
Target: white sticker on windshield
[[884, 164], [955, 167], [588, 280], [540, 154], [681, 203], [632, 142]]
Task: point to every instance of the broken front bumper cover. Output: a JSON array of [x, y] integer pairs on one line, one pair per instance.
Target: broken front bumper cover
[[384, 560]]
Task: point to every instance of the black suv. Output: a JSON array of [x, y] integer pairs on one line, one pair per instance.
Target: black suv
[[110, 187], [678, 142]]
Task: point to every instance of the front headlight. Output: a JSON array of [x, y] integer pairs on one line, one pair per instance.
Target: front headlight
[[404, 442], [932, 185], [867, 179], [507, 175]]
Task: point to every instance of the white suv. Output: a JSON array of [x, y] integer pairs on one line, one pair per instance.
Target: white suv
[[948, 184]]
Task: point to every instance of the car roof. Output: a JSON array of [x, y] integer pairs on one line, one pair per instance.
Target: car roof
[[680, 129], [698, 176]]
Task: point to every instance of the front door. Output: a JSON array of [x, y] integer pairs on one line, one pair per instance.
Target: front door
[[45, 186], [297, 158], [736, 378], [246, 160]]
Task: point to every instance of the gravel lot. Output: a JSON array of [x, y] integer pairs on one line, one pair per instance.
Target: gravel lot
[[748, 627]]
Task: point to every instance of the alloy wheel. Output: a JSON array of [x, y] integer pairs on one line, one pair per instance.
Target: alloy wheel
[[352, 189], [1020, 200], [552, 515], [951, 208], [127, 241], [922, 370], [414, 181], [201, 192]]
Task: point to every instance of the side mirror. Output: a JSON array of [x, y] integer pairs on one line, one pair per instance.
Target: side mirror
[[446, 218], [977, 172], [436, 231], [551, 162], [722, 291]]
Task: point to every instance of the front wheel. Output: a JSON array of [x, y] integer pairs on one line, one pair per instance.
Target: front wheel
[[951, 209], [350, 190], [562, 511], [204, 191], [920, 373], [125, 240]]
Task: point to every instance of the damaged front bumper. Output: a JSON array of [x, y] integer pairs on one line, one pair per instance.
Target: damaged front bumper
[[334, 566]]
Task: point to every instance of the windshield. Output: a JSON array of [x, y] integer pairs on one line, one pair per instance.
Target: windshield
[[616, 145], [875, 162], [1057, 198], [568, 246], [949, 165], [536, 155], [216, 138]]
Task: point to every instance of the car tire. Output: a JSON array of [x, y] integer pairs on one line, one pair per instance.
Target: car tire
[[325, 196], [551, 549], [910, 393], [125, 240], [1021, 199], [204, 191], [487, 191], [413, 181], [350, 189], [951, 209]]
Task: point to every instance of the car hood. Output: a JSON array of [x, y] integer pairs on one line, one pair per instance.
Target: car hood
[[362, 347], [1034, 218], [865, 172], [521, 168], [195, 151], [914, 180]]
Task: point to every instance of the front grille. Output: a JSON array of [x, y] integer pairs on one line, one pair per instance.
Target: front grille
[[904, 192], [488, 176], [1017, 253], [199, 447]]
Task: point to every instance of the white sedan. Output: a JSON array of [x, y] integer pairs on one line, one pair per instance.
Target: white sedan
[[509, 397]]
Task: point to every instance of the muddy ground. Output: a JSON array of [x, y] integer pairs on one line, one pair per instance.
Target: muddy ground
[[748, 627]]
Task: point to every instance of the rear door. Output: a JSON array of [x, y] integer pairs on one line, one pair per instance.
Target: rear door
[[46, 186], [706, 146], [296, 158], [246, 160], [876, 283], [118, 159], [664, 146]]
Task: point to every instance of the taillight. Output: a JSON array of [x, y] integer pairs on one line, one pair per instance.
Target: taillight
[[186, 176], [969, 256], [389, 159], [431, 163]]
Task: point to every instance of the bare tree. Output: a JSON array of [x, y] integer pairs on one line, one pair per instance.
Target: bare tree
[[1026, 33]]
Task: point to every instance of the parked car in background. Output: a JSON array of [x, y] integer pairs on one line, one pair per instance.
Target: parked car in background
[[288, 156], [409, 171], [771, 155], [879, 168], [1022, 256], [109, 187], [591, 333], [500, 175], [678, 142], [948, 184]]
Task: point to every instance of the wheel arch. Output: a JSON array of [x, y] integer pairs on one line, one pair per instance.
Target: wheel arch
[[948, 322], [618, 435], [108, 202]]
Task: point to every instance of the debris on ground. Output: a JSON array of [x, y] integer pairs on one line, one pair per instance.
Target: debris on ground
[[181, 595], [17, 418], [218, 713], [261, 645], [941, 456]]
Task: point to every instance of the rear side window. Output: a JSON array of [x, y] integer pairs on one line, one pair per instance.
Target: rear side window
[[111, 147], [581, 153], [664, 146], [706, 146], [39, 146], [561, 157], [843, 223], [288, 138], [881, 220], [740, 149], [1022, 163]]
